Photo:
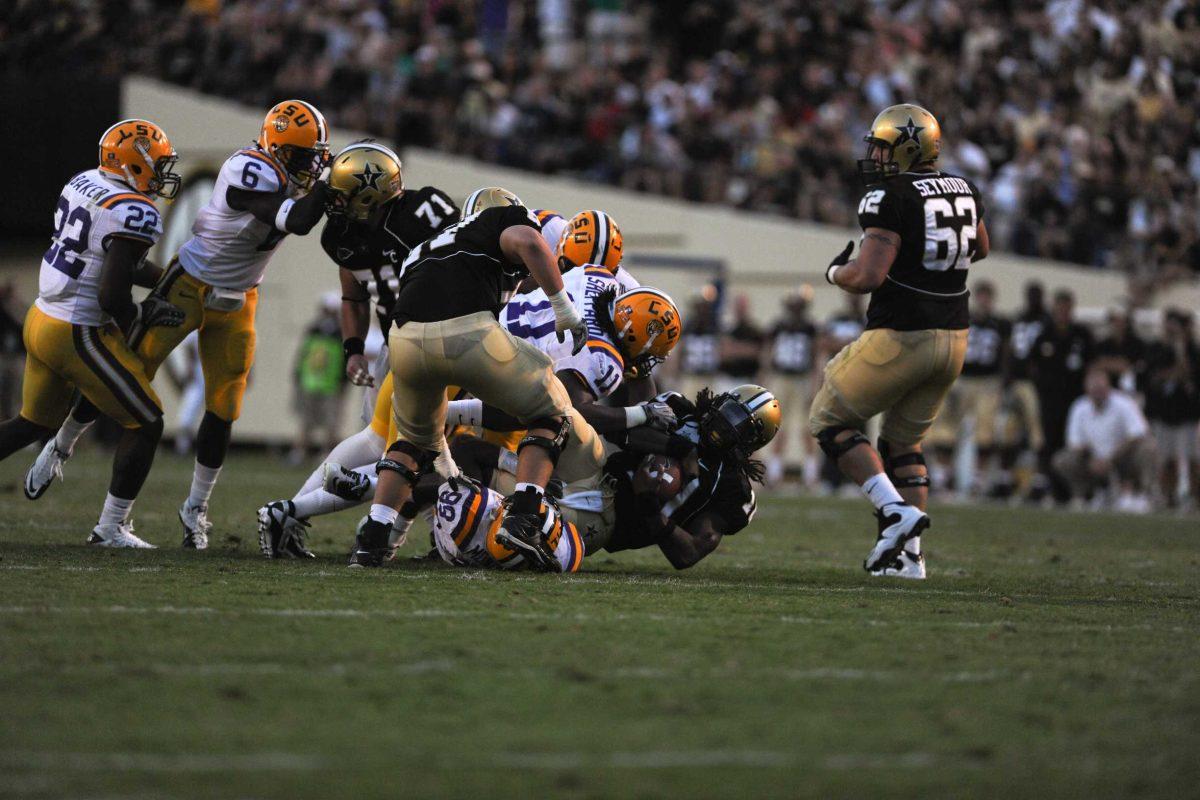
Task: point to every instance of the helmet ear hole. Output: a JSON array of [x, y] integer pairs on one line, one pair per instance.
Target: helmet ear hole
[[136, 169]]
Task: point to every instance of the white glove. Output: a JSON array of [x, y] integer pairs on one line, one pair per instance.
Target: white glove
[[566, 318]]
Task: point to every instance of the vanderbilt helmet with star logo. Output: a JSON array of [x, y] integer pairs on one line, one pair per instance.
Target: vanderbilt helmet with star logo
[[294, 133], [648, 327], [362, 179], [901, 137], [488, 197], [742, 420], [139, 153]]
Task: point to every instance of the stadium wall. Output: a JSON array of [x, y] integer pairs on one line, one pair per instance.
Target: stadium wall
[[761, 256]]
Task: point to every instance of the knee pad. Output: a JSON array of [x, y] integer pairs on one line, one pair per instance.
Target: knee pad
[[835, 449], [890, 463], [554, 445], [424, 459]]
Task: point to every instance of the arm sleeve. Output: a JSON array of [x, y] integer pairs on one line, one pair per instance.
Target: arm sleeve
[[880, 208]]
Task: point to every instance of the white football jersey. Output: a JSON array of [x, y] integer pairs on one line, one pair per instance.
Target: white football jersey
[[230, 248], [531, 317], [92, 208]]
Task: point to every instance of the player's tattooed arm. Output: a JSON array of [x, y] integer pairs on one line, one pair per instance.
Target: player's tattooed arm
[[686, 547], [867, 271]]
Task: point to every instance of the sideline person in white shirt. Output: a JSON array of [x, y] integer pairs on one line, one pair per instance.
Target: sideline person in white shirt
[[1106, 434]]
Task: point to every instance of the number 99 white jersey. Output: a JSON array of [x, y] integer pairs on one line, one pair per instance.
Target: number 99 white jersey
[[230, 248], [92, 209]]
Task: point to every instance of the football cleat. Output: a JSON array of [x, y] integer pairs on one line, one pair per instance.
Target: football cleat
[[195, 526], [280, 533], [46, 467], [371, 546], [111, 534], [902, 522], [345, 483], [522, 533], [905, 565]]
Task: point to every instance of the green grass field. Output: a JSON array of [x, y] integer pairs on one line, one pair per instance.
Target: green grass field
[[1049, 655]]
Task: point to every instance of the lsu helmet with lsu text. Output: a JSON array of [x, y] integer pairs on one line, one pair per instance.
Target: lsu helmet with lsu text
[[139, 153], [901, 137], [591, 237], [743, 420], [362, 178], [294, 133], [487, 197], [647, 326]]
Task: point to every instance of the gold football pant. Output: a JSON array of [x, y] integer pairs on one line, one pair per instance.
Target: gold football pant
[[475, 353], [903, 375], [62, 357], [227, 340]]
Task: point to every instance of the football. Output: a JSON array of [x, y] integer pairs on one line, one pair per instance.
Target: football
[[661, 475]]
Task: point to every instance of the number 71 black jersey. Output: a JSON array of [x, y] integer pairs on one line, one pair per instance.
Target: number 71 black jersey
[[937, 217]]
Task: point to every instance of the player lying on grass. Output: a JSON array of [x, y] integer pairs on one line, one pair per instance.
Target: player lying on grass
[[682, 490], [77, 331]]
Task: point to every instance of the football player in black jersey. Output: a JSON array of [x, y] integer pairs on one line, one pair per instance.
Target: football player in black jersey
[[446, 332], [373, 223], [922, 228]]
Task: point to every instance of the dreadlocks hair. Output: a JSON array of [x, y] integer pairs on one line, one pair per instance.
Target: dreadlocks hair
[[602, 309], [752, 468]]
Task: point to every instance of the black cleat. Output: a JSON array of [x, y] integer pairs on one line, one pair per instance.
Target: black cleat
[[280, 533], [522, 533], [371, 548]]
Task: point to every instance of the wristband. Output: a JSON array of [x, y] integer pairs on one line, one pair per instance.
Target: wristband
[[830, 272], [354, 346], [634, 416], [465, 412], [281, 215], [564, 309]]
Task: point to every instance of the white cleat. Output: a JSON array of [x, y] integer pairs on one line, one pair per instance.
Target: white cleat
[[906, 565], [900, 522], [46, 467], [195, 526], [345, 483], [111, 534]]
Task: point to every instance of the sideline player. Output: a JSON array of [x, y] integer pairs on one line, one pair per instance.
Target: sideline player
[[921, 230], [75, 332], [262, 194]]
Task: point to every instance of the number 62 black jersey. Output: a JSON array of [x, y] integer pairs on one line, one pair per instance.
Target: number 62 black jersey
[[937, 217]]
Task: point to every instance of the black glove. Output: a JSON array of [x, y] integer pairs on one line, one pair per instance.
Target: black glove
[[155, 311], [838, 260]]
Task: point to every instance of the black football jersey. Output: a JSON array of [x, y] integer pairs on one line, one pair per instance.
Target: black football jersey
[[936, 216], [374, 254], [719, 488], [462, 270], [1026, 330], [792, 347], [985, 346]]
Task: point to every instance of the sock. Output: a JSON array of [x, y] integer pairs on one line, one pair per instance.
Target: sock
[[401, 526], [359, 450], [527, 498], [881, 491], [507, 461], [69, 434], [913, 545], [203, 480], [319, 502], [384, 514], [116, 510]]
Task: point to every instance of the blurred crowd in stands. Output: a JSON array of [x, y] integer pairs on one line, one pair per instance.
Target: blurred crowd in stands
[[1048, 409], [1078, 118]]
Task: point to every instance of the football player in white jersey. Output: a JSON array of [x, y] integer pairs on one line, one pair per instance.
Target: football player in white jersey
[[75, 332], [262, 194]]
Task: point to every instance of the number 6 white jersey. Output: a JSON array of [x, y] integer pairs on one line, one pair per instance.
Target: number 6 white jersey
[[92, 209], [231, 248]]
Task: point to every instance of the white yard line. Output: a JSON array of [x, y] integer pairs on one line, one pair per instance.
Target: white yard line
[[159, 762]]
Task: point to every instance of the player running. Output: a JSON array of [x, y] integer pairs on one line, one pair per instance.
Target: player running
[[262, 194], [75, 332], [922, 228]]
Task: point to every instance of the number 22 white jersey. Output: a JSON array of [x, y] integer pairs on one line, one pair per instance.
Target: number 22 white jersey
[[92, 208], [230, 248]]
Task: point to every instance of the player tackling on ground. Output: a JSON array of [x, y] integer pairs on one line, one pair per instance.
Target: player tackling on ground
[[921, 230]]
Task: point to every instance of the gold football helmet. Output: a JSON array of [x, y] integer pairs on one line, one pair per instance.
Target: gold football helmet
[[138, 152], [901, 137], [363, 177], [648, 327], [743, 419], [487, 197], [294, 133], [591, 237]]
